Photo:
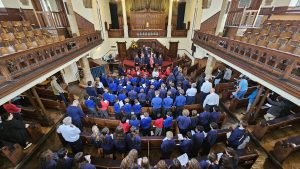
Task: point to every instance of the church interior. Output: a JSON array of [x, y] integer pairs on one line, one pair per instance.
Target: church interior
[[150, 84]]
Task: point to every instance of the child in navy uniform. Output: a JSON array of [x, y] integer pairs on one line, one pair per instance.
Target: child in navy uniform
[[168, 145], [210, 139]]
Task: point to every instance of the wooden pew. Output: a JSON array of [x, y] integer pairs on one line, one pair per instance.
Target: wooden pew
[[284, 148], [227, 93], [45, 93], [15, 155], [247, 157], [35, 132], [54, 104], [104, 163], [224, 86], [264, 127]]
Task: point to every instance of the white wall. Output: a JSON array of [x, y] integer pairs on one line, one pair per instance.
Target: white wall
[[16, 4], [69, 73], [79, 8], [277, 3], [214, 8]]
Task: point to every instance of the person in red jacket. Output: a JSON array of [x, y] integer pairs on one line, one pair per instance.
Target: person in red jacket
[[103, 105], [124, 123], [167, 72], [159, 124], [13, 109]]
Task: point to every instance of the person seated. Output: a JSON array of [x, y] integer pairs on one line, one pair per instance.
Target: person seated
[[237, 136], [276, 108], [167, 146], [90, 105], [145, 164], [194, 120], [210, 163], [111, 99], [119, 141], [176, 164], [162, 91], [158, 124], [117, 109], [130, 159], [133, 139], [155, 73], [107, 143], [134, 121], [96, 138], [227, 75], [193, 164], [83, 162], [106, 95], [218, 77], [124, 123], [184, 122], [204, 118], [167, 103], [142, 98], [241, 89], [168, 122], [90, 90], [161, 165], [48, 160], [211, 100], [133, 72], [186, 145], [113, 87], [229, 159], [210, 139], [251, 99], [146, 124], [122, 96], [9, 107], [156, 104], [198, 139], [63, 161], [179, 103], [160, 60], [167, 72], [215, 115], [137, 108], [127, 108]]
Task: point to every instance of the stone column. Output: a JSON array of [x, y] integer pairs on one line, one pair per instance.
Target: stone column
[[87, 75], [222, 18], [210, 64], [169, 28], [196, 18], [125, 26]]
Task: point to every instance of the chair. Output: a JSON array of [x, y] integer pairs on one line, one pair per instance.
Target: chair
[[45, 32], [31, 44], [288, 46], [40, 41], [7, 36], [29, 34], [286, 35], [48, 40], [262, 41], [264, 32], [273, 44], [253, 39], [20, 46], [6, 24], [19, 35], [37, 32], [16, 23], [55, 39]]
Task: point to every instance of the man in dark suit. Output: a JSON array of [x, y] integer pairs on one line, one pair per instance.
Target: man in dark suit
[[90, 90]]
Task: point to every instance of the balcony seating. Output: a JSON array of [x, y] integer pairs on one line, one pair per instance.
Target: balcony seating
[[274, 35], [17, 36]]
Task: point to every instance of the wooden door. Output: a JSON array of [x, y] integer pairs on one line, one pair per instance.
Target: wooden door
[[122, 50], [173, 49]]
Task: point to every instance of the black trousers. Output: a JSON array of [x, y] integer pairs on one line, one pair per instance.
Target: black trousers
[[146, 132], [76, 146]]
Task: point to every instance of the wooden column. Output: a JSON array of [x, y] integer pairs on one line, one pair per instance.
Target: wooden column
[[169, 28], [41, 105], [210, 64], [5, 72], [125, 25], [254, 115]]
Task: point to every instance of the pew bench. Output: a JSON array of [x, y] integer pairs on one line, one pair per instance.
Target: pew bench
[[284, 148], [35, 132], [224, 86], [14, 154], [267, 126]]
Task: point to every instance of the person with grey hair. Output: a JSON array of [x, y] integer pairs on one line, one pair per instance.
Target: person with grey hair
[[191, 94], [71, 134], [205, 89]]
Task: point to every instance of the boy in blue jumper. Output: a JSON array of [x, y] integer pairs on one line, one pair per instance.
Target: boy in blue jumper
[[156, 104], [134, 121], [234, 137], [137, 108], [167, 146], [167, 103], [168, 122], [210, 139], [127, 108], [146, 125], [204, 118], [117, 109]]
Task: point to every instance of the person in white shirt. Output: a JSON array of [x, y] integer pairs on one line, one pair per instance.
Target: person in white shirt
[[191, 94], [71, 134], [155, 73], [211, 100], [227, 75], [205, 88]]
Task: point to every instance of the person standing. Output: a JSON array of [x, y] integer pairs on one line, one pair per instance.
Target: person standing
[[75, 113], [227, 75], [156, 104], [179, 103], [168, 145], [58, 90], [191, 94], [71, 134], [91, 90], [211, 100], [205, 88]]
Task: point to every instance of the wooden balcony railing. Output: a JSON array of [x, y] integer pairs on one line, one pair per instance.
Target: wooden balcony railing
[[113, 33], [276, 67], [241, 18], [26, 62], [180, 33], [146, 33], [51, 19]]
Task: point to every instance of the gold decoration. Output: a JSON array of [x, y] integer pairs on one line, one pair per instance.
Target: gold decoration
[[134, 45]]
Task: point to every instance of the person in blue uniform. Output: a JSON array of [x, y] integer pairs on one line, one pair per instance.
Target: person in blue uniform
[[235, 136], [63, 160], [128, 87], [90, 105], [163, 91], [204, 118], [168, 122], [134, 121], [211, 162], [120, 88], [185, 84], [173, 91], [210, 139], [156, 84], [137, 108], [167, 146], [198, 139], [156, 104], [179, 103], [107, 143], [132, 95], [113, 87], [194, 120], [137, 88], [82, 162], [75, 113], [184, 122], [146, 124], [106, 95], [142, 97], [90, 90], [127, 108], [133, 139], [215, 115], [122, 96], [186, 145], [171, 78], [117, 109], [167, 103], [111, 99], [150, 94], [119, 141]]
